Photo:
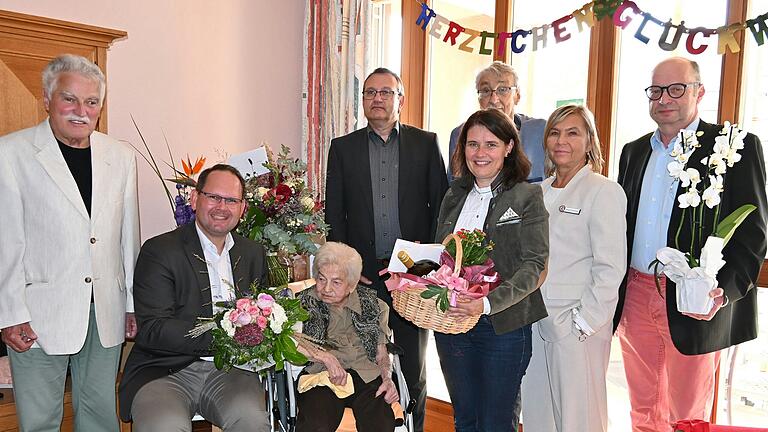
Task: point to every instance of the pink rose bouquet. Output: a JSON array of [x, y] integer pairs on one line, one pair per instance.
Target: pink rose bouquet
[[255, 329]]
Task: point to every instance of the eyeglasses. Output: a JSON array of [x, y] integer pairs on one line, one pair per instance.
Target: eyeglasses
[[386, 94], [674, 90], [500, 91], [217, 199]]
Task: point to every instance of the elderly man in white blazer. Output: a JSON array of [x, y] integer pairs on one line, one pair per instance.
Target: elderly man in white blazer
[[68, 245], [564, 387]]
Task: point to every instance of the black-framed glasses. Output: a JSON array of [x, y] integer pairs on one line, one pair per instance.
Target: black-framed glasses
[[500, 91], [385, 94], [674, 90], [217, 199]]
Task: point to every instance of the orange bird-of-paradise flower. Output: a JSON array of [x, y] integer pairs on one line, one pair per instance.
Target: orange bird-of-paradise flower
[[192, 169]]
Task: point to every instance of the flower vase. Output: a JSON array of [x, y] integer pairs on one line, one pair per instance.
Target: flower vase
[[279, 269], [300, 264], [693, 285]]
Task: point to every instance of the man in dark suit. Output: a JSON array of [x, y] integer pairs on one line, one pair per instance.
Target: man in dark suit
[[670, 357], [180, 275], [385, 182]]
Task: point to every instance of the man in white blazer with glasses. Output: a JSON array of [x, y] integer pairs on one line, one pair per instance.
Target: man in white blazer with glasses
[[68, 244]]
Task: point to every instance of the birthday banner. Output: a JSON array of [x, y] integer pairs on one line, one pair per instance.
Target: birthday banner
[[622, 13]]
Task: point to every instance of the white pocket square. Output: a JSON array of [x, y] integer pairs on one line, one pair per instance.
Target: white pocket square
[[509, 216]]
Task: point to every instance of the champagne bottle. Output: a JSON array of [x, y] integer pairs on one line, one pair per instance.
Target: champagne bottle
[[418, 268]]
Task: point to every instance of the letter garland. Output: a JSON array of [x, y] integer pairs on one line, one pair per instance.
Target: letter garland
[[622, 14]]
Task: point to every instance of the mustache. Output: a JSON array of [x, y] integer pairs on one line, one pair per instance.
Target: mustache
[[220, 212], [75, 117]]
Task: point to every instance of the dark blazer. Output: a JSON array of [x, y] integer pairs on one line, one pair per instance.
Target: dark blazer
[[520, 251], [348, 198], [171, 290], [744, 184]]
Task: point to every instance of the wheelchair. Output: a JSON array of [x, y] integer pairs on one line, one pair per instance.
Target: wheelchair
[[282, 386], [282, 389]]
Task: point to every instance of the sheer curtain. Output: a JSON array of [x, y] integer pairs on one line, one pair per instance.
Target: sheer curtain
[[336, 34]]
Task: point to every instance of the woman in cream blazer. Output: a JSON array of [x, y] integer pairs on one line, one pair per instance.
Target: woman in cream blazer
[[564, 387]]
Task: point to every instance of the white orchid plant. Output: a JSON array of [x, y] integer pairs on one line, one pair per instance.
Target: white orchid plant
[[725, 154], [702, 192]]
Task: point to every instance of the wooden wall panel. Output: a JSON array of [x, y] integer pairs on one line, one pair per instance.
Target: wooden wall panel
[[18, 106]]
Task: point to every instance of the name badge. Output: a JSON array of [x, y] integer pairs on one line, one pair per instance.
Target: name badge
[[570, 210]]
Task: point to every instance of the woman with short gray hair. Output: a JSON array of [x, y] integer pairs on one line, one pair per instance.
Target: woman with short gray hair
[[350, 323]]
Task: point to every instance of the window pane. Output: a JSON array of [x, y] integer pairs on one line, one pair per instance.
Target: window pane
[[451, 98], [636, 61], [749, 384], [386, 35], [748, 372], [556, 74], [754, 89], [451, 95]]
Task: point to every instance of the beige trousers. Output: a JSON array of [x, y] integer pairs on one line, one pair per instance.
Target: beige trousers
[[563, 389]]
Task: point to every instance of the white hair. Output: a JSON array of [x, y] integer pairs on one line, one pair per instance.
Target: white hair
[[346, 258], [73, 64]]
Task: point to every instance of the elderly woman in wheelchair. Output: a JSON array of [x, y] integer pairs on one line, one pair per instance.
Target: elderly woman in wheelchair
[[349, 365]]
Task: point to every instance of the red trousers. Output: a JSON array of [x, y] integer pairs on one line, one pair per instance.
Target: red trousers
[[664, 385]]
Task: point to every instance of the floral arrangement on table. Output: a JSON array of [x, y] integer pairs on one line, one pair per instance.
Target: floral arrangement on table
[[185, 180], [695, 276], [283, 213], [255, 330], [475, 278]]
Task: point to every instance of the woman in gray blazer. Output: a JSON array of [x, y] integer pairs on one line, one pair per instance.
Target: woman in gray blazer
[[564, 388], [483, 367]]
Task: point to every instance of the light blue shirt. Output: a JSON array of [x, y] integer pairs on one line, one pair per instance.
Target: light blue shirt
[[658, 196]]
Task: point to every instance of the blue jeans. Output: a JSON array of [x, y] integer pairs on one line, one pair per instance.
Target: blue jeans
[[483, 371]]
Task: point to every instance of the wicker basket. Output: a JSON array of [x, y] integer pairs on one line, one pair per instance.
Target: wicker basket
[[424, 312]]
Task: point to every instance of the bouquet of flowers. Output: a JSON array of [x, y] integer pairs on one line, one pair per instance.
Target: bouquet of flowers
[[475, 279], [255, 330], [695, 276], [283, 213], [185, 180], [469, 273]]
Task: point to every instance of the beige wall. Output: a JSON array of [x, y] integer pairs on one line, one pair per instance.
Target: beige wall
[[213, 79]]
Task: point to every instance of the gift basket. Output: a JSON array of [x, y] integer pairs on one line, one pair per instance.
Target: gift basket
[[464, 271]]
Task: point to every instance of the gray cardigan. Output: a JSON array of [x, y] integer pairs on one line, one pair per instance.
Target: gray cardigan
[[521, 250]]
